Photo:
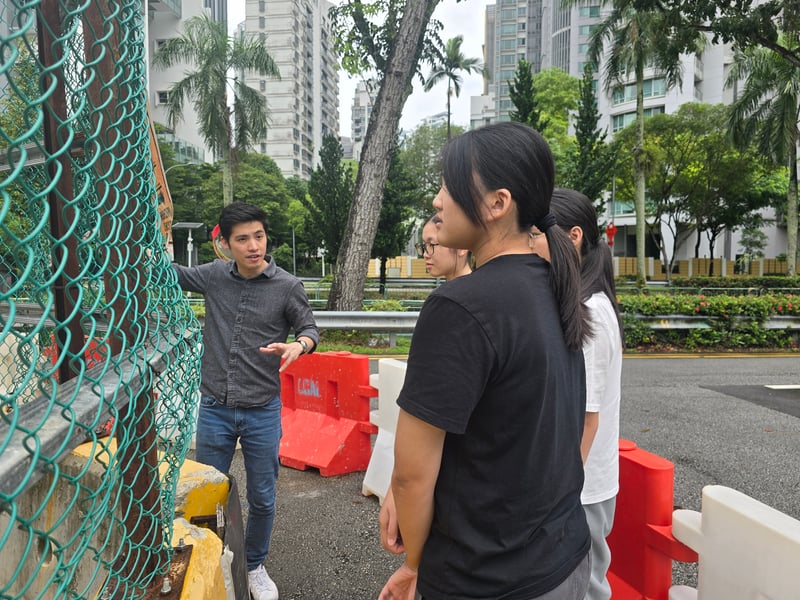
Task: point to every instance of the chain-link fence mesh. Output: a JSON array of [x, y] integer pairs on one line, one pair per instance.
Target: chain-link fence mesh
[[99, 351]]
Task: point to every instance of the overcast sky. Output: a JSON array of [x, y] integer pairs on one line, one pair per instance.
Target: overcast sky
[[464, 18]]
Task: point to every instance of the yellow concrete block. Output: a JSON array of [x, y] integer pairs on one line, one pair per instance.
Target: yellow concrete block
[[203, 580], [200, 489]]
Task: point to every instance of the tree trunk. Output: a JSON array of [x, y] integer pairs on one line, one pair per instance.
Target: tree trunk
[[639, 177], [227, 178], [448, 110], [382, 277], [791, 213], [712, 239], [347, 291], [666, 261]]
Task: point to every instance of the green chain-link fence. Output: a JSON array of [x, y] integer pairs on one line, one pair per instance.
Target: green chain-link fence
[[98, 347]]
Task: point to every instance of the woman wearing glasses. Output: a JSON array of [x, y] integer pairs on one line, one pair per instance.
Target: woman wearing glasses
[[488, 472], [447, 263]]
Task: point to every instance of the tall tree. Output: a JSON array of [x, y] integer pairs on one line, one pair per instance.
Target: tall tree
[[556, 95], [20, 125], [590, 166], [397, 212], [304, 242], [260, 181], [330, 194], [420, 153], [450, 66], [767, 112], [669, 151], [205, 44], [393, 48], [522, 92], [637, 39], [745, 23], [697, 180], [733, 186]]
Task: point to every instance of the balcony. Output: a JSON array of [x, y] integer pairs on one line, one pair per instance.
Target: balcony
[[166, 6], [698, 69]]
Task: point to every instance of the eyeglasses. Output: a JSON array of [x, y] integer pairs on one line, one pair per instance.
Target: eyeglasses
[[426, 248]]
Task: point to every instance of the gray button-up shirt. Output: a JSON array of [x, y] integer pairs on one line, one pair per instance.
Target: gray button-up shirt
[[241, 316]]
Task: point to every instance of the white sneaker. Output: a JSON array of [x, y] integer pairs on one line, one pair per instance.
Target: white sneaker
[[261, 586]]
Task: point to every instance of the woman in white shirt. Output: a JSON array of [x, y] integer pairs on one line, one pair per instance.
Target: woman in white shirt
[[602, 353]]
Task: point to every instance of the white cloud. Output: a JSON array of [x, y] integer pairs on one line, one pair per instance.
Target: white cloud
[[464, 18]]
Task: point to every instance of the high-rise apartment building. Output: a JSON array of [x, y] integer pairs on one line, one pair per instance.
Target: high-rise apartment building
[[165, 21], [547, 35], [513, 31], [304, 103], [363, 101]]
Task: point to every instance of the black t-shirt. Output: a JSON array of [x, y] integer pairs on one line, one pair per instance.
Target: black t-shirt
[[488, 364]]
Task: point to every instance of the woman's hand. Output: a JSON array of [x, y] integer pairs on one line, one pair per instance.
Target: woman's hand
[[402, 585], [390, 532]]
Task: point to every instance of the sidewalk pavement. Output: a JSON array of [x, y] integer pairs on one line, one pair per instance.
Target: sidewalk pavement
[[712, 417]]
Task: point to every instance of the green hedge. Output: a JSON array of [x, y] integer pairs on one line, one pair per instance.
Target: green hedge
[[723, 306], [767, 282], [735, 322]]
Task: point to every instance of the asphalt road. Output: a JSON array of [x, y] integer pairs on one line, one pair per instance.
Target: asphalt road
[[712, 417]]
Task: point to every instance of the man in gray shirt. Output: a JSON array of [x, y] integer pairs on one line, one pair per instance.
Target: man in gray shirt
[[251, 304]]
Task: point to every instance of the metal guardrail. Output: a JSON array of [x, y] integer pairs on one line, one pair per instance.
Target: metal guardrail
[[382, 321], [704, 322], [404, 322]]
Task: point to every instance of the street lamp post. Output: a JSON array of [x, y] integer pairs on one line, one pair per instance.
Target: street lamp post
[[294, 255], [191, 226], [168, 169]]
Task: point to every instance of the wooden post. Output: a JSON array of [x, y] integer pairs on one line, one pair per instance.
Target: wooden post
[[120, 190], [69, 334]]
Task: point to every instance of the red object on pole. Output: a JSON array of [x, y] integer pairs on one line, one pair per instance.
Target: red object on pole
[[325, 416], [611, 231], [641, 541]]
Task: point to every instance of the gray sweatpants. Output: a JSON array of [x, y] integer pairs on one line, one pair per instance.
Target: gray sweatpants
[[570, 589], [600, 517]]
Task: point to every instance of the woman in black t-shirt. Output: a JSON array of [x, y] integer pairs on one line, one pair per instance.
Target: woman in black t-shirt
[[488, 472]]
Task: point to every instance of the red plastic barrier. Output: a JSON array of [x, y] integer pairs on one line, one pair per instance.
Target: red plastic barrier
[[326, 404], [641, 541], [93, 354]]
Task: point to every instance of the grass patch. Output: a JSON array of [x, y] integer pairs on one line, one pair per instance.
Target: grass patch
[[363, 342]]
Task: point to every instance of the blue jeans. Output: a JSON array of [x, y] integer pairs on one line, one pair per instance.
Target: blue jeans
[[258, 430]]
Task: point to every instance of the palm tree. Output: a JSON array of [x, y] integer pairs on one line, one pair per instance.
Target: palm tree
[[768, 112], [452, 62], [637, 40], [215, 56]]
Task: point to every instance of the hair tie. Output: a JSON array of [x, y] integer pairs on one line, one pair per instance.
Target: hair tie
[[546, 222]]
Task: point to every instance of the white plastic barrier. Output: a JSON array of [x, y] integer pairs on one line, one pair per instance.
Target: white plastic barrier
[[747, 550], [388, 381]]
